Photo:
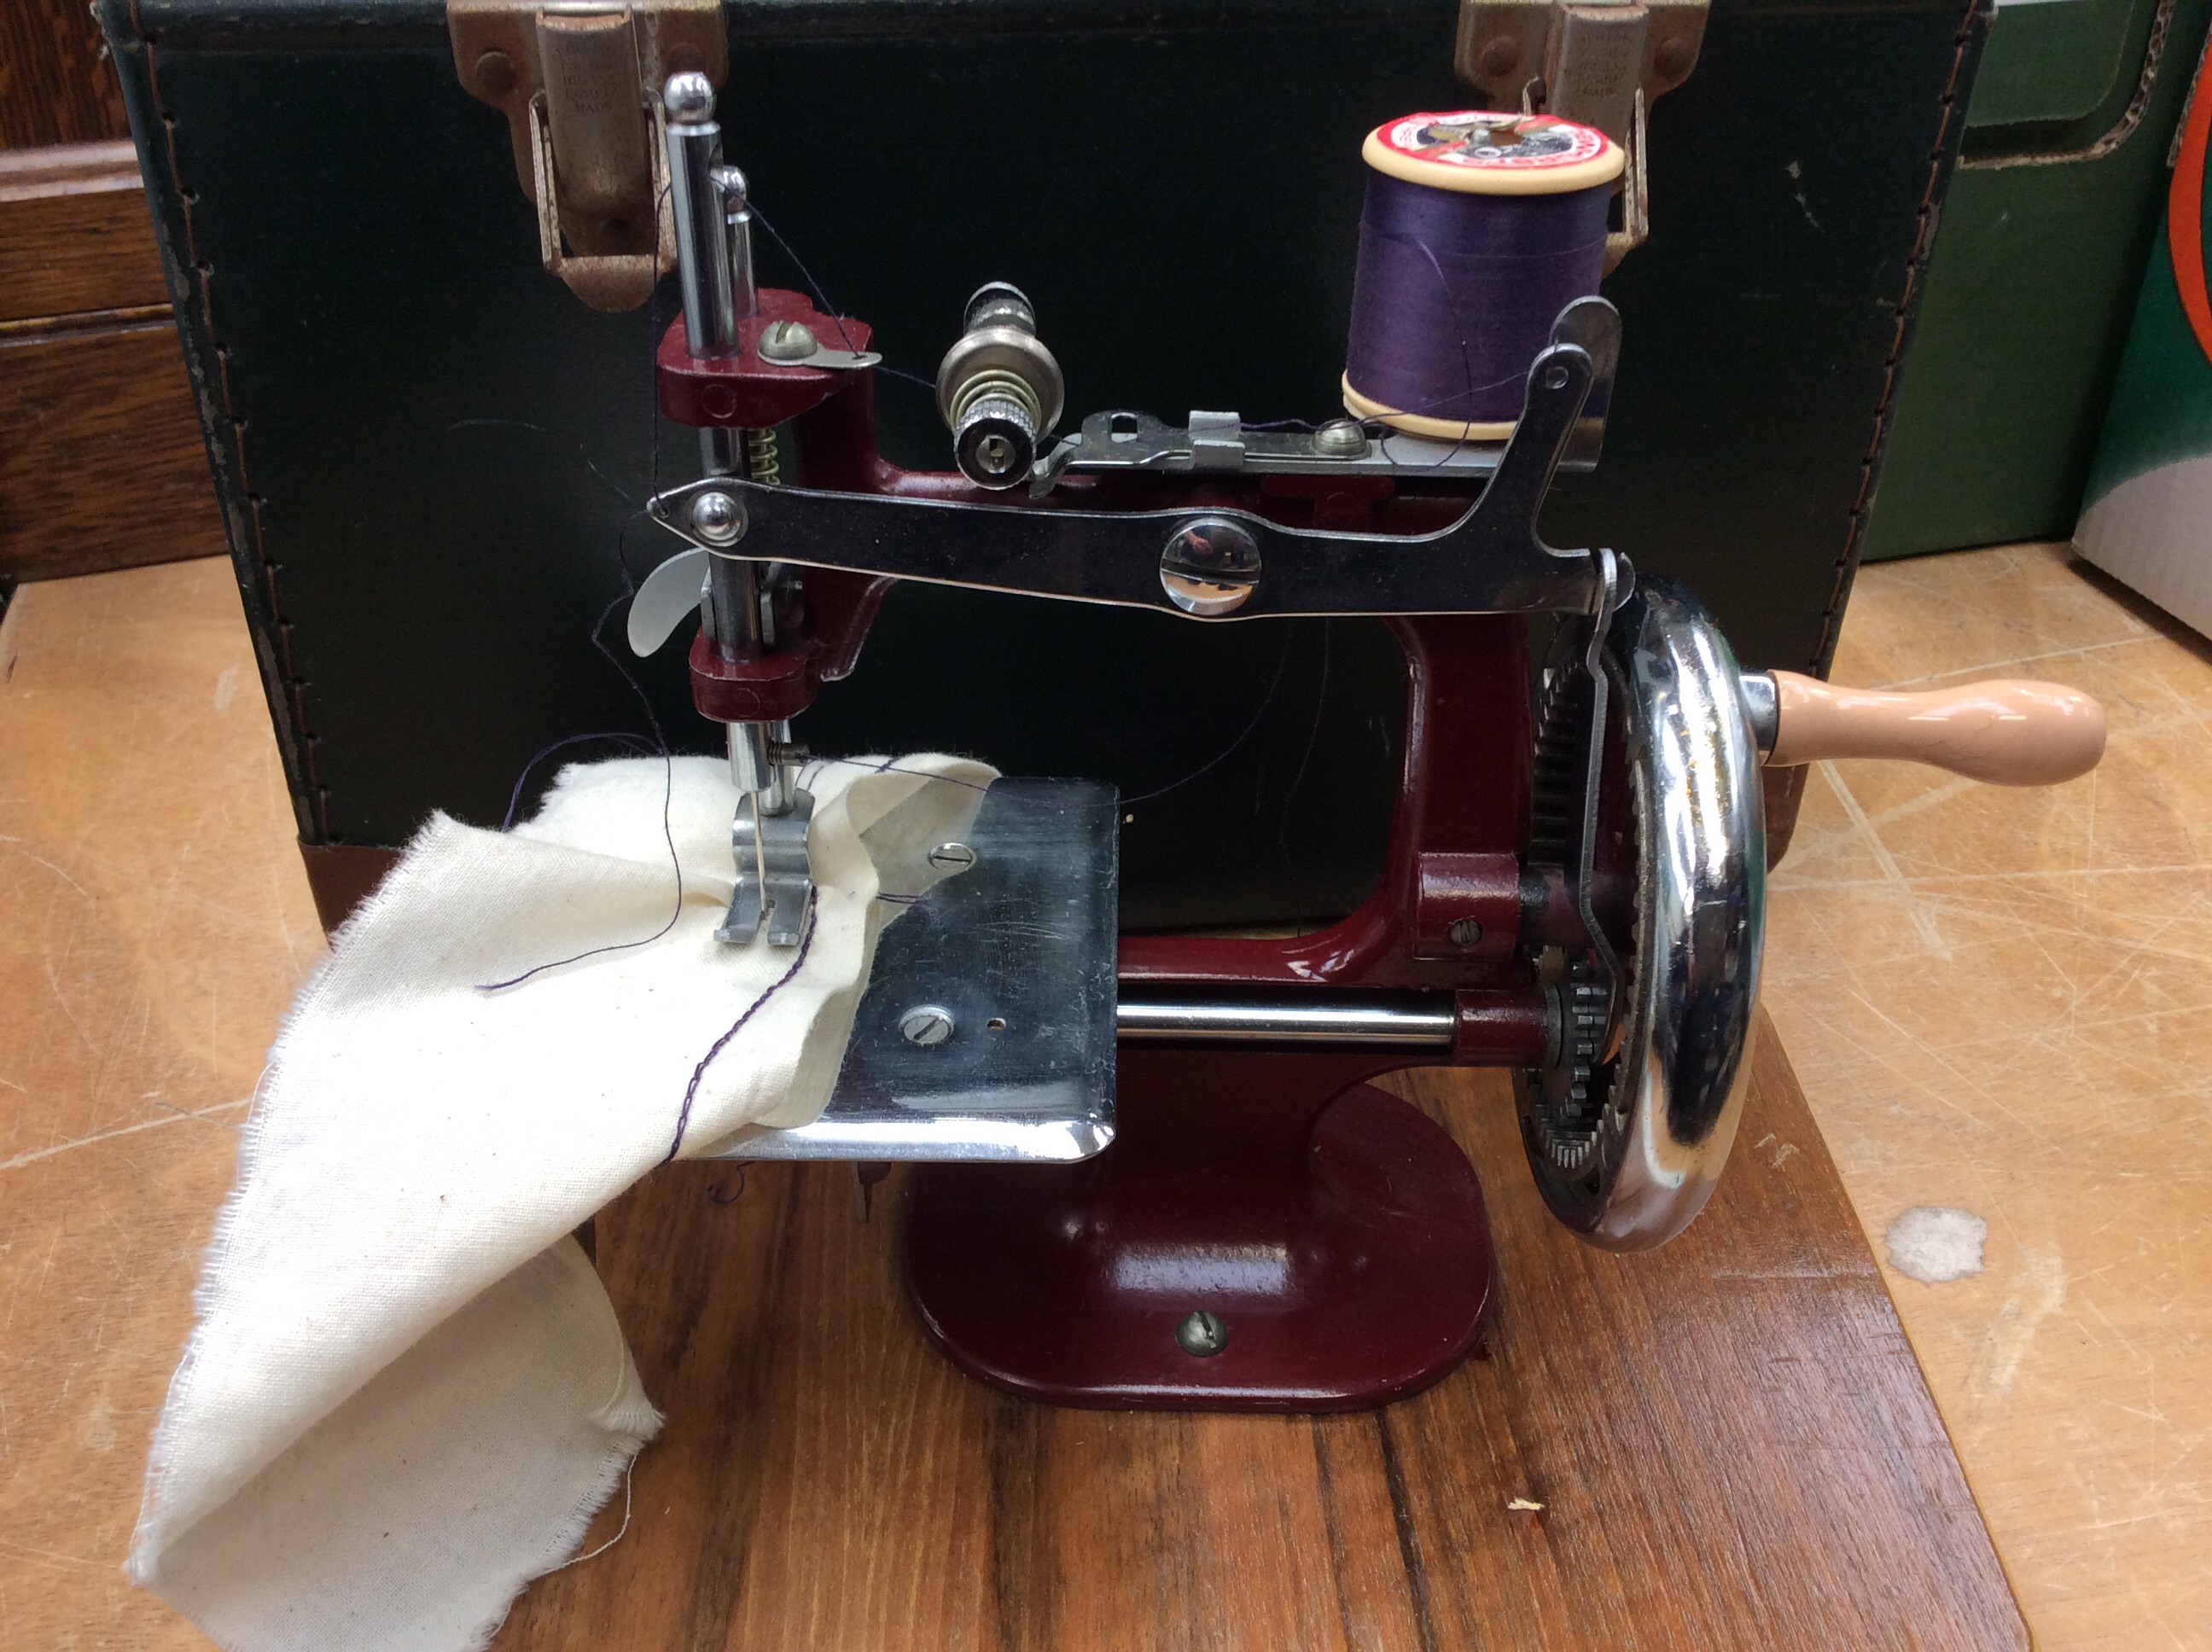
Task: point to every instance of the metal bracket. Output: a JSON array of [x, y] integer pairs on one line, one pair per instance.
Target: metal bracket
[[1492, 560], [987, 1028], [1603, 63], [775, 876], [578, 80], [1119, 443], [1616, 579]]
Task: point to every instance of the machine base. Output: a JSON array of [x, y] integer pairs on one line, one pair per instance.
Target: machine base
[[1336, 1235]]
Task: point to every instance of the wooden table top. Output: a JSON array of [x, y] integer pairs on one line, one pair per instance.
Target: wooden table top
[[1725, 1443], [1997, 1002]]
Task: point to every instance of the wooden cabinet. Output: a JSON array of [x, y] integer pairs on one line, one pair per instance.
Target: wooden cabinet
[[100, 459]]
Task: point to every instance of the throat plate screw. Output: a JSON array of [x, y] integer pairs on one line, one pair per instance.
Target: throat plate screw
[[926, 1025]]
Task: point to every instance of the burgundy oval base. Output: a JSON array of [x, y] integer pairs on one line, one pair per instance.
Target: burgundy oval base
[[1341, 1242]]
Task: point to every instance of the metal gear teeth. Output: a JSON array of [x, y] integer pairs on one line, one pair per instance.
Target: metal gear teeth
[[1570, 1122], [1556, 767]]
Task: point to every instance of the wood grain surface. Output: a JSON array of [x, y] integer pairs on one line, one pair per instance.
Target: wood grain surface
[[1728, 1442], [153, 924], [1725, 1444], [101, 464], [74, 235], [2000, 1004], [56, 84]]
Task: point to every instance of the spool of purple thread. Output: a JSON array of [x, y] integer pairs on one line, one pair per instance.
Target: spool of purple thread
[[1479, 229]]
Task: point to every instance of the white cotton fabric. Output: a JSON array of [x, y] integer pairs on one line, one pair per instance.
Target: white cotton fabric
[[407, 1393]]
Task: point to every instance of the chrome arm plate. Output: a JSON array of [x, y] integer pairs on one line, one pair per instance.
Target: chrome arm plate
[[1111, 443], [1492, 560], [1025, 938]]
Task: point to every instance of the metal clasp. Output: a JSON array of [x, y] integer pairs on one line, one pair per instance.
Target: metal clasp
[[578, 81], [1603, 63]]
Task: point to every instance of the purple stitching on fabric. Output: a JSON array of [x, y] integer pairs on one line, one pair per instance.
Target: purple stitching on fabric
[[691, 1090]]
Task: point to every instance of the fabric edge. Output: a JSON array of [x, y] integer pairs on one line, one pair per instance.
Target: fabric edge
[[632, 1422], [142, 1563]]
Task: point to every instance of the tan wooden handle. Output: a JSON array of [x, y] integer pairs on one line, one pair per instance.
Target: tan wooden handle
[[2007, 732]]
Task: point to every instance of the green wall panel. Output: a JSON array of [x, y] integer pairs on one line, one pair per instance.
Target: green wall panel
[[2029, 291]]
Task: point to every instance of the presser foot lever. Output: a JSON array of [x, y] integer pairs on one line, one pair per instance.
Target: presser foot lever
[[775, 879]]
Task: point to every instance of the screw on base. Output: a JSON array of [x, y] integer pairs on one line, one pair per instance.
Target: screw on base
[[1202, 1333]]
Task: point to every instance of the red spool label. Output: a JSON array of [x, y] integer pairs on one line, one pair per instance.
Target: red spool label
[[1486, 140]]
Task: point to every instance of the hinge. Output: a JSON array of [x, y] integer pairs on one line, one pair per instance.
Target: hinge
[[579, 84], [1603, 63]]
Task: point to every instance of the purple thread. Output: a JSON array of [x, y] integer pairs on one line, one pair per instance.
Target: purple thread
[[660, 742], [1267, 701], [889, 766], [804, 275], [547, 431], [1492, 270], [715, 1190], [1313, 738], [667, 793], [828, 309], [514, 798], [691, 1090]]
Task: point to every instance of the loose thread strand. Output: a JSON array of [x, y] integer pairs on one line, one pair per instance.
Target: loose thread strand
[[691, 1090]]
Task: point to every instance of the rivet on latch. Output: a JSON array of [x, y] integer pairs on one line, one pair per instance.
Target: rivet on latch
[[494, 74]]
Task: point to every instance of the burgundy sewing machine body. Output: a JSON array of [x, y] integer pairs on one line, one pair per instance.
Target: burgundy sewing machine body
[[1574, 886]]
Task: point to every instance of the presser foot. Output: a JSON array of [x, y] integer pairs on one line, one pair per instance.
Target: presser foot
[[775, 879]]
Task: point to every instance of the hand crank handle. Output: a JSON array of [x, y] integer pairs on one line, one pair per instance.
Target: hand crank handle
[[2007, 731]]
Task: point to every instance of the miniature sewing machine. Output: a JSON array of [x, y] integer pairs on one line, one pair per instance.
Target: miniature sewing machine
[[1155, 1175]]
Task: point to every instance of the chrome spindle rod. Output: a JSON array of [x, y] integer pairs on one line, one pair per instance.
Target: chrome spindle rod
[[714, 255]]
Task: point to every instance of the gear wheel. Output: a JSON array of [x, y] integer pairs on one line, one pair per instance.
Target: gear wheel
[[1572, 1107], [1557, 764], [1564, 1104], [1628, 1119]]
